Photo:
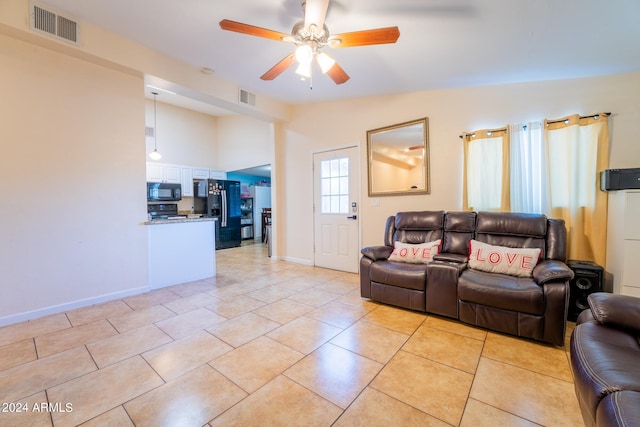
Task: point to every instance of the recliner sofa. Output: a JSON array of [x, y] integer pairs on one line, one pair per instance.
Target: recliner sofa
[[531, 305]]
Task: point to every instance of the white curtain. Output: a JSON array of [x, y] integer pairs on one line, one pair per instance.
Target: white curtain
[[528, 168]]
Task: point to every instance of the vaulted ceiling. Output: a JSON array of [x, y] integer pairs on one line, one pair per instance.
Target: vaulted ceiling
[[443, 43]]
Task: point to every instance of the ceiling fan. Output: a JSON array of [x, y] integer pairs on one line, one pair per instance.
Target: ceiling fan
[[310, 36]]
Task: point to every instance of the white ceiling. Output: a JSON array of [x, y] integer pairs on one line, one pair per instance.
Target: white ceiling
[[443, 43]]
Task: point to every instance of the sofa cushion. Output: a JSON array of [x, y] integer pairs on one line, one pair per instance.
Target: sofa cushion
[[401, 274], [617, 311], [420, 253], [500, 259], [519, 294], [418, 227], [619, 409]]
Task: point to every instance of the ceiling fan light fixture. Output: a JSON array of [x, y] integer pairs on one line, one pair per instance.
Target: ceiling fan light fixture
[[304, 70], [325, 61], [304, 54]]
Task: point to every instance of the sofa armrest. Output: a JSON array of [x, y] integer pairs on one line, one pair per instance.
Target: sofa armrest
[[376, 253], [551, 270], [616, 311], [447, 257]]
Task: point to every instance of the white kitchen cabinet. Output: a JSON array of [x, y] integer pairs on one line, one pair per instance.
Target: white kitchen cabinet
[[200, 173], [186, 175], [217, 174], [623, 241], [162, 172]]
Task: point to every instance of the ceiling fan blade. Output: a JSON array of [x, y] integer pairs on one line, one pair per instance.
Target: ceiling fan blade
[[277, 69], [337, 74], [315, 11], [365, 37], [251, 30]]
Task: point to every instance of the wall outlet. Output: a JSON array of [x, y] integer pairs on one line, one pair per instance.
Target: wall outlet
[[375, 202]]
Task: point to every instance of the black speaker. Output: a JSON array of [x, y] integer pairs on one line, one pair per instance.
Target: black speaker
[[587, 280]]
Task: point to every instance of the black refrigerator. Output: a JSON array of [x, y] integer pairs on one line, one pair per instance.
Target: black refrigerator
[[220, 199]]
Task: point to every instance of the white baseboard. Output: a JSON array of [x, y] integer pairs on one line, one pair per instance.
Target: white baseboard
[[297, 260], [61, 308]]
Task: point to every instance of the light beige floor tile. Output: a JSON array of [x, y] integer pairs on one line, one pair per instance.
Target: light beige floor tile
[[371, 341], [298, 283], [338, 314], [100, 391], [284, 311], [65, 339], [547, 360], [122, 346], [354, 298], [190, 303], [102, 311], [149, 299], [32, 377], [236, 306], [272, 293], [445, 347], [174, 359], [478, 414], [456, 327], [304, 334], [281, 402], [190, 400], [191, 288], [340, 286], [314, 297], [33, 328], [438, 390], [254, 364], [230, 292], [529, 395], [25, 412], [243, 329], [117, 417], [17, 353], [375, 409], [188, 323], [141, 317], [334, 373], [400, 320]]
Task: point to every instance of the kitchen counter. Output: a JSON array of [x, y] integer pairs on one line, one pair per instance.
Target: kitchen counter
[[178, 220], [181, 250]]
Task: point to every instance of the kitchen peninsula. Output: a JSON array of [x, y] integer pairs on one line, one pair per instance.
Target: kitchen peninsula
[[181, 250]]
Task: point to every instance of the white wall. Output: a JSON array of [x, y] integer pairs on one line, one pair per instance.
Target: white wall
[[72, 171], [245, 142], [184, 137], [333, 124]]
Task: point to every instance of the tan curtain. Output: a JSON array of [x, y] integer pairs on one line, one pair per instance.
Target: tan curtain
[[577, 151], [486, 170]]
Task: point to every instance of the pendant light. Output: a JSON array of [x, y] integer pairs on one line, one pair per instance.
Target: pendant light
[[155, 155]]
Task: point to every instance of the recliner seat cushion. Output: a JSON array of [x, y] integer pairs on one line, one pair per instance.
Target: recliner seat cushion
[[401, 274], [520, 294]]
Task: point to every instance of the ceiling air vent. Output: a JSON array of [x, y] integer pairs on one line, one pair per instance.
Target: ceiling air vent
[[54, 24], [247, 98]]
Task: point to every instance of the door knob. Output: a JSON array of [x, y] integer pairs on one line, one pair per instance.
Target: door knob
[[352, 217]]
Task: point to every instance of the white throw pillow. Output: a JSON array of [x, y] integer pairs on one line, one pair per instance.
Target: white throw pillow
[[501, 259], [420, 253]]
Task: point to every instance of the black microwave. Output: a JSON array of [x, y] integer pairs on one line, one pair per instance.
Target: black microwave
[[163, 192]]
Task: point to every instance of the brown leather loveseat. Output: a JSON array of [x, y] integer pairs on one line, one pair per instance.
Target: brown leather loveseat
[[529, 302], [604, 360]]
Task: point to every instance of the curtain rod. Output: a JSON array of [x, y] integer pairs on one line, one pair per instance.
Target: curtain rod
[[582, 117], [490, 131]]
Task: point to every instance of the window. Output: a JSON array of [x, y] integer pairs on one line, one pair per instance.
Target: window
[[334, 189]]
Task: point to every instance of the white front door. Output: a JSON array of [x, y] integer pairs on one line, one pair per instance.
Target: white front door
[[336, 209]]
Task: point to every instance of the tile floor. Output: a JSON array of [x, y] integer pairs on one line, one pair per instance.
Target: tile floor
[[275, 343]]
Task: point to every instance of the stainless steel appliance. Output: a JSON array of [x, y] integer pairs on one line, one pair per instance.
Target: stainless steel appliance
[[163, 192], [246, 220], [164, 211], [220, 199]]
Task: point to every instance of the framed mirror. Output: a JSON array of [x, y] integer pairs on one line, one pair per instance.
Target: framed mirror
[[399, 159]]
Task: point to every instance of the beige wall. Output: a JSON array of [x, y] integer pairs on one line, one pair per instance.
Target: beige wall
[[335, 124], [245, 142], [72, 173]]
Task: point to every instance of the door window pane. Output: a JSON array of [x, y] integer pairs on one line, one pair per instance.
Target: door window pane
[[334, 188]]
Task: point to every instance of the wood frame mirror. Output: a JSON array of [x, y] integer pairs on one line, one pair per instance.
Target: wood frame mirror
[[398, 159]]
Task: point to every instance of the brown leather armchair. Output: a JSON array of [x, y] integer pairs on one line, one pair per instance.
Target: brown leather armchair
[[533, 307]]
